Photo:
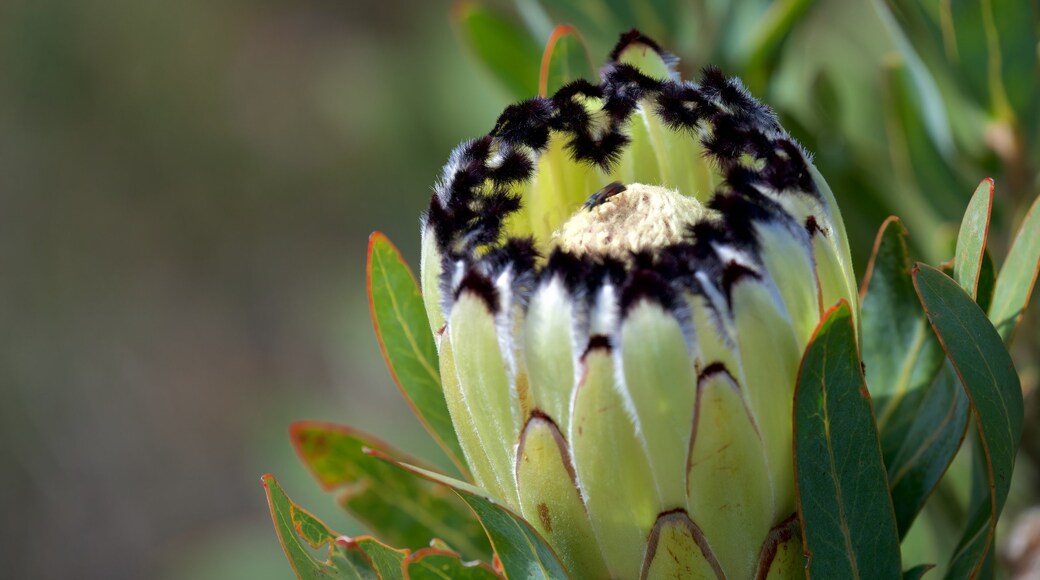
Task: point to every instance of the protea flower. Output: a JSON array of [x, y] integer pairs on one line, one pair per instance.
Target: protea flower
[[622, 279]]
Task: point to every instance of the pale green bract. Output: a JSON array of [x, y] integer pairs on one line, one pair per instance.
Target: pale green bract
[[619, 361]]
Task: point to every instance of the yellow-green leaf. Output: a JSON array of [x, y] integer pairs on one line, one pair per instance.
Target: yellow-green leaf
[[404, 510], [401, 326]]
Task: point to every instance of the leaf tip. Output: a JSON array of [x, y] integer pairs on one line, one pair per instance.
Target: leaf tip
[[559, 32]]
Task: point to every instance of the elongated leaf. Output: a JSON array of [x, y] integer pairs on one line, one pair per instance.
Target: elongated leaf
[[399, 318], [405, 510], [565, 59], [1017, 276], [996, 49], [521, 550], [936, 427], [439, 564], [847, 519], [901, 354], [501, 44], [989, 378], [347, 559], [920, 156], [971, 238]]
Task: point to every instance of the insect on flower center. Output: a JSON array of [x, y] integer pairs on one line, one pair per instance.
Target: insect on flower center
[[616, 223]]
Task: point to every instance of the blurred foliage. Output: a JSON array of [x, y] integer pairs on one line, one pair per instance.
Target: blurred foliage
[[187, 189]]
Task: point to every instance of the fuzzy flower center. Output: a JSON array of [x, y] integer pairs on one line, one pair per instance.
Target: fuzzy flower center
[[620, 223]]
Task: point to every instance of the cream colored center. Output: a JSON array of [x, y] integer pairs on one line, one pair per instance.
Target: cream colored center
[[642, 217]]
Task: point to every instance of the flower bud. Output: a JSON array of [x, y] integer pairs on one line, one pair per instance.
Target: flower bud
[[622, 278]]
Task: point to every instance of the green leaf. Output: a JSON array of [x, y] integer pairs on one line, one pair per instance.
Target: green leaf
[[901, 354], [504, 46], [921, 414], [971, 238], [565, 59], [439, 564], [846, 512], [405, 510], [995, 47], [521, 550], [917, 572], [919, 158], [1017, 276], [762, 43], [401, 326], [937, 419], [987, 281], [386, 561], [299, 532], [989, 378]]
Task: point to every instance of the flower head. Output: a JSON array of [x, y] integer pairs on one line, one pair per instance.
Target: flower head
[[622, 278]]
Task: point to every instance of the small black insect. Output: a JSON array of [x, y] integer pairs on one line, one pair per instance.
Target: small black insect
[[607, 192]]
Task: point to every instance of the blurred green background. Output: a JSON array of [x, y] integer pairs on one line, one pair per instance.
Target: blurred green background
[[187, 189]]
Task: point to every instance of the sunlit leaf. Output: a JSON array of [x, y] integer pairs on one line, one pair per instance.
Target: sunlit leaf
[[846, 512], [300, 532], [1017, 276], [565, 59], [401, 326], [988, 376], [971, 238], [439, 564], [403, 509]]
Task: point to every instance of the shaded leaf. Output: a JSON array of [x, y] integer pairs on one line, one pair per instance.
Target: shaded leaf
[[989, 378], [847, 519], [565, 59], [521, 550], [399, 318], [936, 425], [1017, 276], [502, 45], [971, 238], [299, 532], [917, 572], [900, 352], [399, 507], [921, 414], [438, 564], [987, 281]]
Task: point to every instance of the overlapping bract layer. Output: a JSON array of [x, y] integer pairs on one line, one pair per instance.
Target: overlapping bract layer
[[644, 400]]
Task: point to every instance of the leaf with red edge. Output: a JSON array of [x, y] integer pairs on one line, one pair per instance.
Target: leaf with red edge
[[922, 413], [523, 552], [1017, 276], [988, 376], [564, 59], [438, 564], [848, 523], [299, 532], [405, 510], [971, 238], [399, 317]]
